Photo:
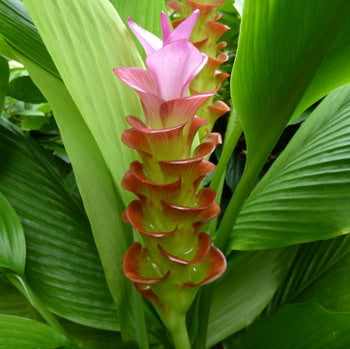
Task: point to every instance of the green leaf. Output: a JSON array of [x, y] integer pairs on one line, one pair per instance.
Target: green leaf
[[227, 6], [305, 196], [34, 122], [101, 203], [86, 40], [332, 289], [234, 169], [313, 265], [145, 12], [279, 70], [23, 88], [320, 274], [13, 245], [301, 326], [90, 338], [62, 261], [245, 289], [4, 78], [290, 54], [12, 302], [103, 206], [17, 332], [5, 49], [19, 32]]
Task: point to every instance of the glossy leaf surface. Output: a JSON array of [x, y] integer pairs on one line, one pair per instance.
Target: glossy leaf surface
[[331, 288], [313, 266], [94, 29], [111, 235], [146, 13], [19, 32], [62, 260], [245, 289], [12, 241], [305, 196], [12, 302], [17, 332], [301, 326], [290, 54], [4, 77], [89, 167]]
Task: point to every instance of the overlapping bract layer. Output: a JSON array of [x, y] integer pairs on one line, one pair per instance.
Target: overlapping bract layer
[[205, 37], [176, 256]]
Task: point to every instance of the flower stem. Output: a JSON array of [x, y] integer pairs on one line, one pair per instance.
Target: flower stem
[[232, 135], [179, 334]]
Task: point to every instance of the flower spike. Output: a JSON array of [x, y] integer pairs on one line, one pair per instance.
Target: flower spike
[[175, 257], [205, 36]]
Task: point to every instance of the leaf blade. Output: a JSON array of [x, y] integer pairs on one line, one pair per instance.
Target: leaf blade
[[103, 45], [237, 302], [304, 196], [17, 332], [13, 245], [20, 33], [298, 326], [4, 78], [62, 261]]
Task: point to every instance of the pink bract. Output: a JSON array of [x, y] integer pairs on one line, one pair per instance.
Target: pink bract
[[172, 64], [151, 43]]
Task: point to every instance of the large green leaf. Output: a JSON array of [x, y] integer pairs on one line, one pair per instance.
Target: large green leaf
[[103, 206], [90, 338], [245, 289], [331, 287], [12, 242], [305, 196], [5, 49], [290, 54], [332, 290], [301, 326], [19, 32], [101, 203], [313, 266], [13, 303], [17, 332], [4, 78], [86, 40], [145, 12], [62, 261]]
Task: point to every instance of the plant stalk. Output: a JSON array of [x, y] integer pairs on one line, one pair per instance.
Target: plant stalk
[[233, 133], [179, 334], [232, 136]]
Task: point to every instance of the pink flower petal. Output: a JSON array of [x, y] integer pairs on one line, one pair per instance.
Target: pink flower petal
[[174, 66], [165, 25], [137, 78], [182, 110], [149, 41], [184, 30], [151, 107]]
